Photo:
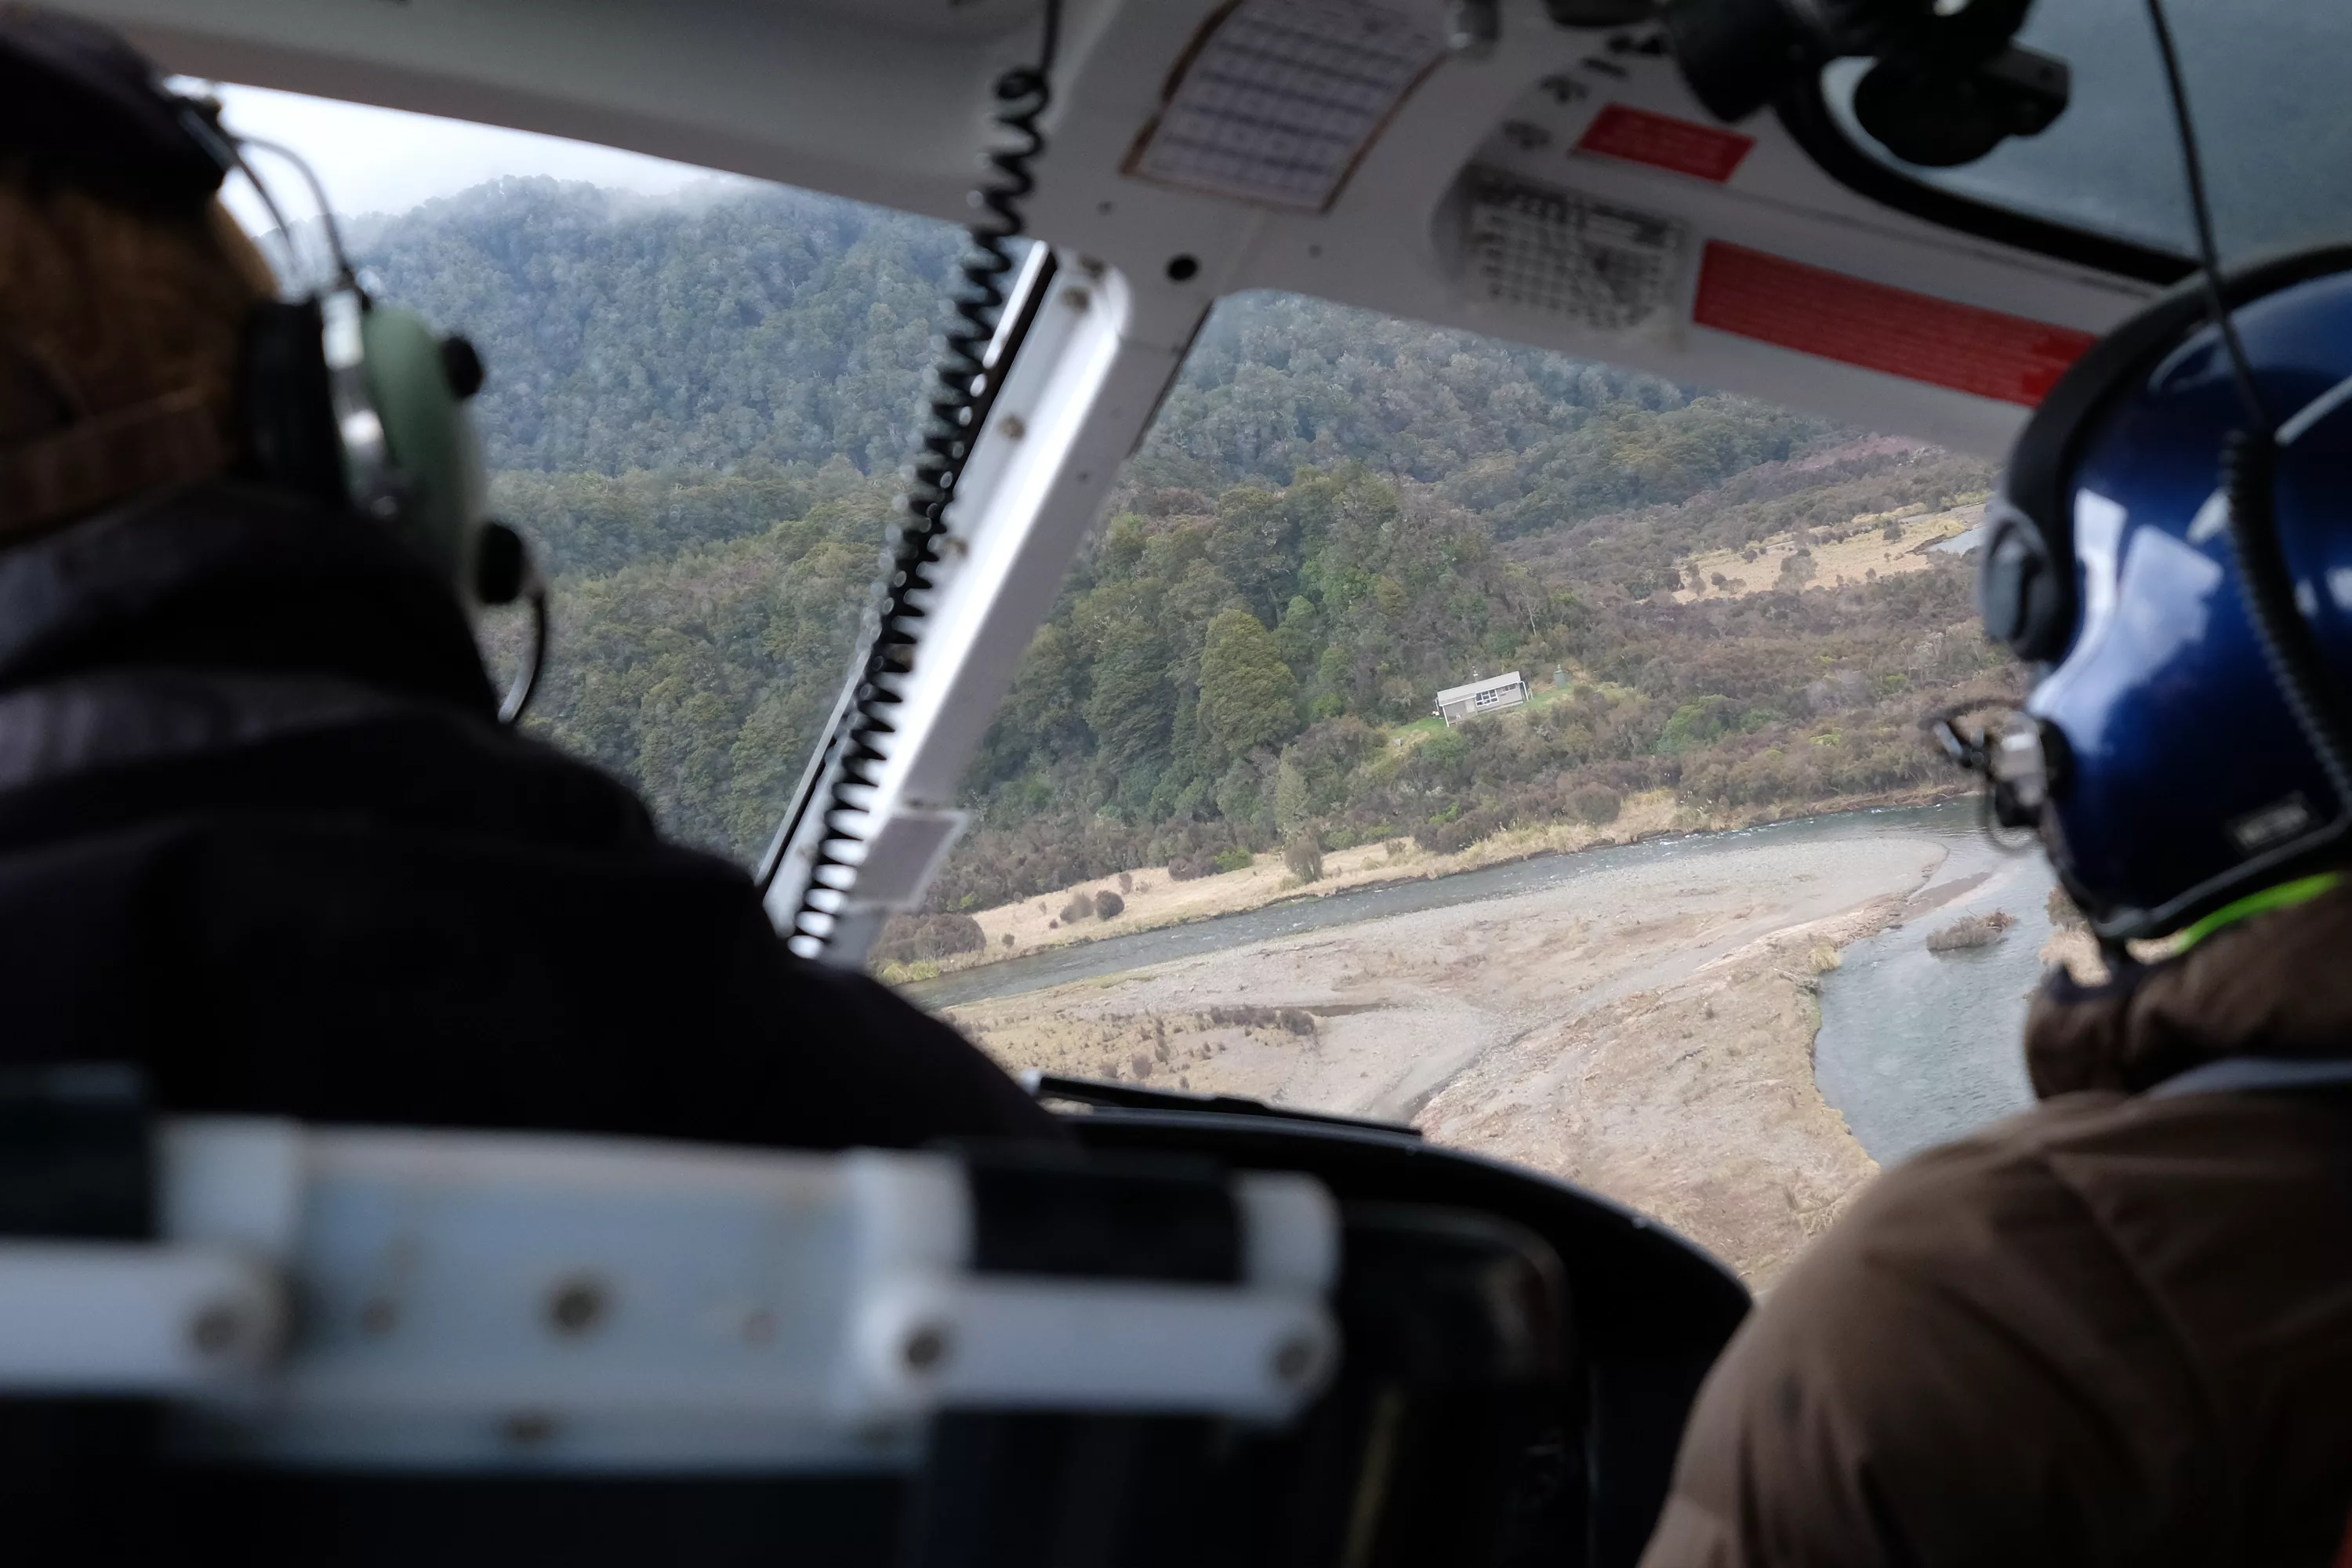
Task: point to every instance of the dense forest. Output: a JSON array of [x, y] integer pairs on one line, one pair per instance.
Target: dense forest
[[698, 409]]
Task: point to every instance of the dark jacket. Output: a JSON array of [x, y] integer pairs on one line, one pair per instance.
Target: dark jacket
[[2116, 1328], [260, 831]]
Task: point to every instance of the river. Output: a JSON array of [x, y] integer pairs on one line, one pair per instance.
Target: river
[[1915, 1049]]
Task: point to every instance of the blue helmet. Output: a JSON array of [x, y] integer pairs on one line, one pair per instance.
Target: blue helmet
[[2159, 755]]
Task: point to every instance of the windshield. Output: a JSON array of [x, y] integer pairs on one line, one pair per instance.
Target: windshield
[[698, 401], [1446, 733], [2265, 85], [1435, 731]]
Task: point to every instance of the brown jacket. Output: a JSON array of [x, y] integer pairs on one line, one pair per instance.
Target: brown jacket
[[2116, 1328]]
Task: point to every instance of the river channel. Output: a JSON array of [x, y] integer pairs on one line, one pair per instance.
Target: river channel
[[1915, 1049]]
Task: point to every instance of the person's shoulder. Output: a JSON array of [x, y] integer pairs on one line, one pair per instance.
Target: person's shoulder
[[2079, 1217], [2058, 1157], [1934, 1200], [1991, 1229]]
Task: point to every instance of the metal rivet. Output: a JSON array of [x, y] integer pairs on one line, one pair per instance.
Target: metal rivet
[[216, 1328], [759, 1326], [577, 1306], [1182, 268], [1294, 1358], [380, 1315], [1011, 427], [925, 1348]]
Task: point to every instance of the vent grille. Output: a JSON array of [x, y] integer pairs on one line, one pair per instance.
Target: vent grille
[[1570, 257]]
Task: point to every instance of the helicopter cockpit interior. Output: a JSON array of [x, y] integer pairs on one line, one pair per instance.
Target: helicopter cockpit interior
[[1219, 1331]]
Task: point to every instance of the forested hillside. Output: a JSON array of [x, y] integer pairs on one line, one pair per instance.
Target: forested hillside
[[698, 410]]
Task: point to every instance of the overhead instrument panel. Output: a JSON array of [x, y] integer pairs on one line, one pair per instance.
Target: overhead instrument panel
[[1605, 212]]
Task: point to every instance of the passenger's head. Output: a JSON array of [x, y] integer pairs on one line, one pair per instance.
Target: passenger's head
[[125, 287], [2159, 755], [143, 344]]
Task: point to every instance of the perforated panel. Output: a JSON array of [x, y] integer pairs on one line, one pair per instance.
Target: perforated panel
[[1595, 263]]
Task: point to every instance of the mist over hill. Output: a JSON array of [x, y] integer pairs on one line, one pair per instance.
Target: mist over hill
[[699, 409]]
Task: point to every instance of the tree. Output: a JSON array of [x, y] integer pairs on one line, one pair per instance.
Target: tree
[[1256, 545], [1302, 853], [1248, 697], [1291, 806], [1133, 705]]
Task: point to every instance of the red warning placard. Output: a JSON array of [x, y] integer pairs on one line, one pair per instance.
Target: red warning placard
[[1916, 336], [1663, 142]]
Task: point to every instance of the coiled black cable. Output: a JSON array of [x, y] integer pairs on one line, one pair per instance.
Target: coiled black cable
[[962, 386]]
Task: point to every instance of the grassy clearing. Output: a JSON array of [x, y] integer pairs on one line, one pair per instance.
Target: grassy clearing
[[1866, 554]]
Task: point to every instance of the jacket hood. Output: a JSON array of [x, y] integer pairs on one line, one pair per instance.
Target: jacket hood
[[2274, 985]]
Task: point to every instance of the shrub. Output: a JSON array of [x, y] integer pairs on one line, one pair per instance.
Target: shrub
[[1081, 905], [920, 939], [1892, 531], [1127, 881], [1451, 838], [1289, 1020], [1596, 805], [2063, 914], [1186, 867], [1399, 847], [1302, 853], [1971, 930], [1237, 858], [1107, 904], [1008, 939]]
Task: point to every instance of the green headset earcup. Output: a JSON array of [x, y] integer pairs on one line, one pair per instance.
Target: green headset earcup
[[429, 441]]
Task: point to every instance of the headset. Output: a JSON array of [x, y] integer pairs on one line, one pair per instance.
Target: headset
[[1946, 87], [1946, 82], [351, 403], [360, 405]]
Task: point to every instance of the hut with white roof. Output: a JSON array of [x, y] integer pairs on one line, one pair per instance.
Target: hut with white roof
[[1493, 695]]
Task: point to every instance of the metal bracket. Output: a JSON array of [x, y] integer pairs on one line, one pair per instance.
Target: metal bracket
[[475, 1300], [1079, 393]]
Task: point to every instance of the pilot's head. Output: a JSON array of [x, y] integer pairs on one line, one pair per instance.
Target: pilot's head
[[2161, 754], [125, 287]]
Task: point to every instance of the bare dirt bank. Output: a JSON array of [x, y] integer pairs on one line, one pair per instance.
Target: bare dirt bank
[[1645, 1031], [1153, 900]]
